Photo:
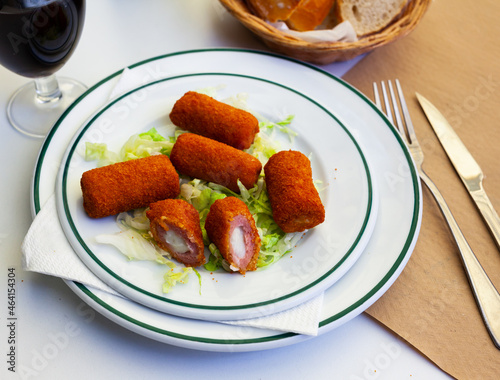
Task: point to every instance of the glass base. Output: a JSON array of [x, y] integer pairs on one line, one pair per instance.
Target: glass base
[[35, 117]]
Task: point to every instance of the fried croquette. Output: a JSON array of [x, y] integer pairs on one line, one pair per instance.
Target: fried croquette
[[295, 202], [175, 226], [231, 227], [124, 186], [205, 116], [210, 160]]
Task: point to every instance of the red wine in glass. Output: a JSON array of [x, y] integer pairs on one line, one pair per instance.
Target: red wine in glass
[[37, 37]]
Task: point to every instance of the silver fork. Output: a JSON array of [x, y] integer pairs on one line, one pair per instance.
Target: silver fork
[[487, 297]]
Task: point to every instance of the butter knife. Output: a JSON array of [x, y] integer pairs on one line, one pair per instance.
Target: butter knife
[[465, 165]]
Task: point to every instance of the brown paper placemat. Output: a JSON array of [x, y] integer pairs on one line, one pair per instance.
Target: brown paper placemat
[[453, 59]]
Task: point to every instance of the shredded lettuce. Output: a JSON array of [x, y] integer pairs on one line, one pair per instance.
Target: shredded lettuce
[[136, 243], [134, 246], [215, 259], [275, 242], [282, 126], [135, 219], [265, 143], [144, 145], [100, 153], [152, 134], [135, 240], [172, 278], [137, 146]]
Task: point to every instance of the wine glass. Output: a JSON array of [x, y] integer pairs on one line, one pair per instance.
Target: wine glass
[[37, 37]]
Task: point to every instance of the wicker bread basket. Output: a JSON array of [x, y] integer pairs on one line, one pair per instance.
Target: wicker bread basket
[[326, 52]]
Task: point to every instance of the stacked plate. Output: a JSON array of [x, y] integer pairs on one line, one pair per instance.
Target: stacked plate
[[371, 196]]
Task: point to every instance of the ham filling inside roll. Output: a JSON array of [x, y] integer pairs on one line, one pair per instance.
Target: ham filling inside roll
[[241, 242], [176, 240]]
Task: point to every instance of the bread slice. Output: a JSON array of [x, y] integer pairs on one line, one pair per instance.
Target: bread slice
[[273, 10], [367, 16], [309, 14]]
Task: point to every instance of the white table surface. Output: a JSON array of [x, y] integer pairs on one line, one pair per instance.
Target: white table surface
[[116, 34]]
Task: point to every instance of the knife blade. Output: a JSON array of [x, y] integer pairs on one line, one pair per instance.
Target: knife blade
[[465, 165]]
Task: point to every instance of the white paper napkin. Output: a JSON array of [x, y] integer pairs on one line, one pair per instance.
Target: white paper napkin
[[343, 32], [46, 250]]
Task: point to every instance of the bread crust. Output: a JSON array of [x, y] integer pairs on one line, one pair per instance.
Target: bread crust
[[300, 15], [309, 14], [273, 10], [368, 17]]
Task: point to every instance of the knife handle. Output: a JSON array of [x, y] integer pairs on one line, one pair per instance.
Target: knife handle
[[485, 293], [488, 212]]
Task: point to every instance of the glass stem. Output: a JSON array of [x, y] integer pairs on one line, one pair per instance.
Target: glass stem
[[47, 89]]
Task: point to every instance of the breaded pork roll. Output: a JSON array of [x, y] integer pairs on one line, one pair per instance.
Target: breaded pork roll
[[294, 200], [175, 226], [205, 116], [124, 186], [210, 160], [231, 227]]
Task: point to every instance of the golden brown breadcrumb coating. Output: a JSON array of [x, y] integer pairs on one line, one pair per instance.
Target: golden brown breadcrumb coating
[[205, 116], [180, 217], [294, 200], [224, 216], [210, 160], [124, 186]]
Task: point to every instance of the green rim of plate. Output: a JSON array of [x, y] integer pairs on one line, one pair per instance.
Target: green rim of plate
[[88, 250], [327, 321]]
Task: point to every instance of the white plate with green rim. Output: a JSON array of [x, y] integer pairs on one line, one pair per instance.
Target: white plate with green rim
[[389, 249], [322, 256]]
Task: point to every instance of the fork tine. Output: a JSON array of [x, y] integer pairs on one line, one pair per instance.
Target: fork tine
[[388, 112], [399, 122], [406, 113], [485, 293]]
